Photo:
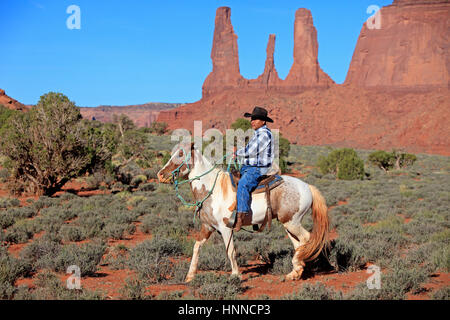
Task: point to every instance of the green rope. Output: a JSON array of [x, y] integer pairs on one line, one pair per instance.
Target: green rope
[[197, 204]]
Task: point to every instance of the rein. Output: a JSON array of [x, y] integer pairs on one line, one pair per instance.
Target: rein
[[175, 175]]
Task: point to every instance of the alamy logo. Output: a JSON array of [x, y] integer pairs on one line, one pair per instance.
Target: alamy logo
[[374, 281], [374, 21], [74, 20], [74, 281]]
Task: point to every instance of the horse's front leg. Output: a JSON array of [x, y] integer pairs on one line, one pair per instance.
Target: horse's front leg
[[201, 238], [227, 236]]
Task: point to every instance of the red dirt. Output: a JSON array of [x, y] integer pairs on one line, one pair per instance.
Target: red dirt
[[438, 281]]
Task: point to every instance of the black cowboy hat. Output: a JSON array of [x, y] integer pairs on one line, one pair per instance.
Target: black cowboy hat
[[258, 113]]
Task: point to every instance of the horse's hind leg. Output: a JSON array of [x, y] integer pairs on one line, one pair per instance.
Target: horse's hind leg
[[299, 236], [204, 235]]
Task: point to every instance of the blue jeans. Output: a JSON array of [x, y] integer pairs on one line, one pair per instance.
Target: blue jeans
[[248, 182]]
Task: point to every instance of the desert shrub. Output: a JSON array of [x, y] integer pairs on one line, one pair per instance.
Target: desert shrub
[[44, 202], [344, 163], [388, 160], [71, 233], [92, 226], [158, 128], [8, 203], [116, 258], [441, 294], [210, 286], [134, 289], [6, 220], [357, 245], [94, 181], [86, 257], [21, 213], [151, 259], [147, 187], [401, 279], [50, 144], [41, 253], [4, 174], [151, 173], [20, 232], [316, 291], [7, 290], [115, 231], [11, 268], [151, 222], [173, 295], [213, 257], [277, 254], [137, 180], [49, 287]]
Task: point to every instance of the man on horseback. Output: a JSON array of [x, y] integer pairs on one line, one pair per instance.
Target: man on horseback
[[256, 159]]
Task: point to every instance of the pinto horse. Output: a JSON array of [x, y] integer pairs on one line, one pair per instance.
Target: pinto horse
[[290, 202]]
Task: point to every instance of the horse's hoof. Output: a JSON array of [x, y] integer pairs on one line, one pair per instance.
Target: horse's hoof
[[239, 275], [293, 275], [189, 279]]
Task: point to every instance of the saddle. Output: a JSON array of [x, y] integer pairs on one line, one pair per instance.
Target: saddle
[[267, 182]]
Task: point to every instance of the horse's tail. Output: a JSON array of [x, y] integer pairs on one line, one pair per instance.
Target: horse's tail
[[319, 235]]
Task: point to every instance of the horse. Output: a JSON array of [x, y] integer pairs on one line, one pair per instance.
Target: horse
[[290, 202]]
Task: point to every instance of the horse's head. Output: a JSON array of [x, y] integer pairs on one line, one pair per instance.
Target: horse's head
[[180, 163]]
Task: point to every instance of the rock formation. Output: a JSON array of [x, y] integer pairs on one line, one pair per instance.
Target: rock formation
[[305, 71], [269, 78], [224, 56], [142, 115], [410, 50], [11, 103]]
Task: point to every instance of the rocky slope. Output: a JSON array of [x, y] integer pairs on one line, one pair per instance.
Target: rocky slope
[[409, 52], [11, 103], [142, 115]]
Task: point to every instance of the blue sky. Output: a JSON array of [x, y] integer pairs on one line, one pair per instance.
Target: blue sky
[[138, 51]]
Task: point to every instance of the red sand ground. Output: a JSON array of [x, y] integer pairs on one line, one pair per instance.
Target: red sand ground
[[258, 283]]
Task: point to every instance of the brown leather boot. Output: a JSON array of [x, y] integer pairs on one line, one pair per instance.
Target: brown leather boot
[[239, 221]]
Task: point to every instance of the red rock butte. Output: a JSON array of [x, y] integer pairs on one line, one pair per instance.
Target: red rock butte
[[396, 93]]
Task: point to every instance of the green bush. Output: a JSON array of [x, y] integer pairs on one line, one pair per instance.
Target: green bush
[[8, 203], [49, 287], [388, 160], [134, 289], [316, 291], [11, 268], [344, 163], [151, 259], [210, 286], [442, 294], [86, 257], [395, 284], [71, 233], [42, 253], [49, 145]]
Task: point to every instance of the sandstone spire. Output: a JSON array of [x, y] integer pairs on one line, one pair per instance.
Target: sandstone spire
[[224, 56], [269, 78], [305, 71]]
